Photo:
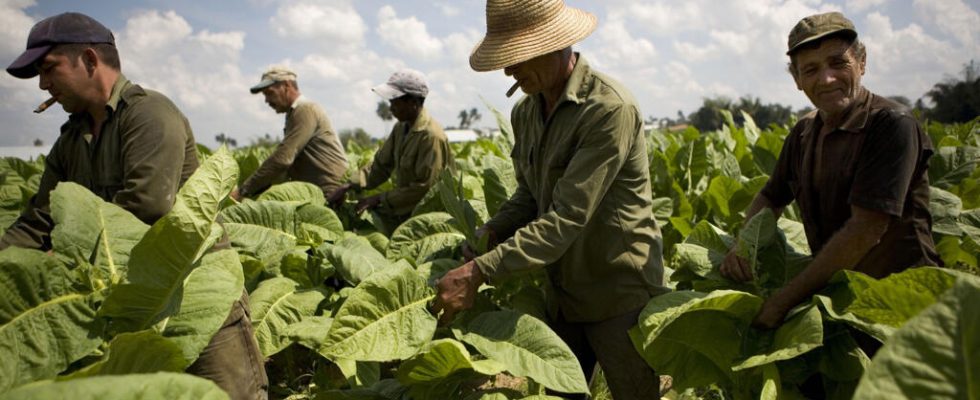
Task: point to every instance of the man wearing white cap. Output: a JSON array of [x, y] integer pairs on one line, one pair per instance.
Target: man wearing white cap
[[415, 152], [583, 206], [310, 150]]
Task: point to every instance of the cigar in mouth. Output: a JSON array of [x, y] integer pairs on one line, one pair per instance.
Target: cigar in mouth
[[513, 89], [44, 106]]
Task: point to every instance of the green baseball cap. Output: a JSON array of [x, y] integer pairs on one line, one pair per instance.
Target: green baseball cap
[[818, 26]]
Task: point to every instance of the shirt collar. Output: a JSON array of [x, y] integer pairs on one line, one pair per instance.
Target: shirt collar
[[577, 87], [118, 89], [296, 102], [421, 122], [857, 116]]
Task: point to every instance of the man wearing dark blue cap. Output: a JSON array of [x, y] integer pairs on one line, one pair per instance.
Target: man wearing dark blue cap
[[130, 146]]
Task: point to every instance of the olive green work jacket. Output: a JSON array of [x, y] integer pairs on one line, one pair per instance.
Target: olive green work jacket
[[309, 152], [415, 154], [145, 152], [583, 205]]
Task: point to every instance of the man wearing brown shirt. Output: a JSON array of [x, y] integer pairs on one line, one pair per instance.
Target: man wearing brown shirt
[[856, 167], [310, 150]]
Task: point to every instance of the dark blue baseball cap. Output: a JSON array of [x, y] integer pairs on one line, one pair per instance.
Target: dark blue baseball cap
[[70, 27]]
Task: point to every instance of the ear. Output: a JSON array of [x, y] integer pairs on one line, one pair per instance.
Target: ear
[[90, 59]]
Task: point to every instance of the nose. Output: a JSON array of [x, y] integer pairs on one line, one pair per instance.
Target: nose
[[43, 81], [827, 76], [510, 70]]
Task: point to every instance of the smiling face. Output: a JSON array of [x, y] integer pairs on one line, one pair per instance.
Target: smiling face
[[830, 75]]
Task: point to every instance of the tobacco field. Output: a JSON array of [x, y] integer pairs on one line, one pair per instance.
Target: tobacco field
[[118, 309]]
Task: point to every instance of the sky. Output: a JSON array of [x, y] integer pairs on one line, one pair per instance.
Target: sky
[[671, 54]]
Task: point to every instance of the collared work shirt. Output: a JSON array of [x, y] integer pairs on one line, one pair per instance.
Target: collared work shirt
[[310, 152], [583, 206], [415, 155], [876, 159], [138, 161]]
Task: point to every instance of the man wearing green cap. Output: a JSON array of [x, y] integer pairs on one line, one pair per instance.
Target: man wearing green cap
[[582, 210], [130, 146], [856, 167], [310, 150]]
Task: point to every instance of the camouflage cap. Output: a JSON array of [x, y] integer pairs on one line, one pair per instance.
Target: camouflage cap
[[271, 76], [406, 81], [818, 26]]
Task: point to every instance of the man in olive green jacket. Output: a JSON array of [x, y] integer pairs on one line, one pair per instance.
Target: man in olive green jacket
[[583, 206], [415, 152], [130, 146], [310, 150]]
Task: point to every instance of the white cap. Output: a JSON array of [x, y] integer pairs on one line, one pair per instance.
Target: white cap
[[406, 81]]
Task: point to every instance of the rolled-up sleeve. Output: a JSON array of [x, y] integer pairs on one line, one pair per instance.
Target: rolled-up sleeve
[[32, 229]]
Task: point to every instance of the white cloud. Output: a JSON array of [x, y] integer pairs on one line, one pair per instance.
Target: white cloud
[[860, 6], [333, 24], [619, 46], [408, 36], [954, 18]]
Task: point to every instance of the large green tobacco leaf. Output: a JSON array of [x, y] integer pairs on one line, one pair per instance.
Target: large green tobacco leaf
[[935, 355], [158, 386], [695, 337], [799, 334], [441, 368], [277, 215], [499, 182], [162, 260], [44, 324], [318, 223], [355, 259], [303, 192], [945, 209], [268, 245], [140, 352], [424, 237], [385, 318], [209, 293], [276, 304], [527, 347], [950, 165], [91, 229], [893, 300], [758, 233], [309, 332]]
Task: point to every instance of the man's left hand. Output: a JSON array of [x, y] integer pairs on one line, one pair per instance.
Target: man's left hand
[[367, 203], [235, 194], [457, 290], [771, 314]]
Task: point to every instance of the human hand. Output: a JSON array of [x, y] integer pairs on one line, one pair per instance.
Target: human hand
[[235, 194], [336, 197], [470, 253], [735, 268], [367, 203], [771, 314], [456, 291]]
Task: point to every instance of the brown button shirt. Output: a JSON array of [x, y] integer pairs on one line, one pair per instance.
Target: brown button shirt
[[310, 152], [876, 160]]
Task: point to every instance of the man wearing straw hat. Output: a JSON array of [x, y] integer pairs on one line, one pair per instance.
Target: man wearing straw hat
[[310, 150], [856, 167], [415, 153], [582, 210]]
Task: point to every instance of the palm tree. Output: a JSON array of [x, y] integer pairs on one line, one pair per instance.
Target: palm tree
[[384, 112]]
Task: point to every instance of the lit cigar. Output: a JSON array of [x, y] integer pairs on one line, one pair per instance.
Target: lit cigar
[[44, 106], [513, 89]]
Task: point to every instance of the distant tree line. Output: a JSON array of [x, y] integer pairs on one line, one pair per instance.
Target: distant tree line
[[953, 100]]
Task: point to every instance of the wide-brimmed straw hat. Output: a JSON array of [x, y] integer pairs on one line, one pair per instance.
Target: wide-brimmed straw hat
[[519, 30]]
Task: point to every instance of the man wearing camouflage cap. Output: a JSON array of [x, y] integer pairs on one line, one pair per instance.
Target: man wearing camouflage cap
[[310, 150], [582, 210], [130, 146], [856, 167], [415, 153]]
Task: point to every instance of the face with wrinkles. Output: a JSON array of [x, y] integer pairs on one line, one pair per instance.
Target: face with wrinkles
[[830, 75]]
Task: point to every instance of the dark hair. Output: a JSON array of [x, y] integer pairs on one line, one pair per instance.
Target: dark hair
[[108, 53], [854, 45]]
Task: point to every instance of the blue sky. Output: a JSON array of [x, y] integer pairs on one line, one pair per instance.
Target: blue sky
[[205, 54]]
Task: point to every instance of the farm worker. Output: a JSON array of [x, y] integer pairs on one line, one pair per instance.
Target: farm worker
[[310, 150], [130, 146], [583, 206], [856, 167], [415, 152]]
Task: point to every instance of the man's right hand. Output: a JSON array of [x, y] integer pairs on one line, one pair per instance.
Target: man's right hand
[[336, 197], [736, 268]]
